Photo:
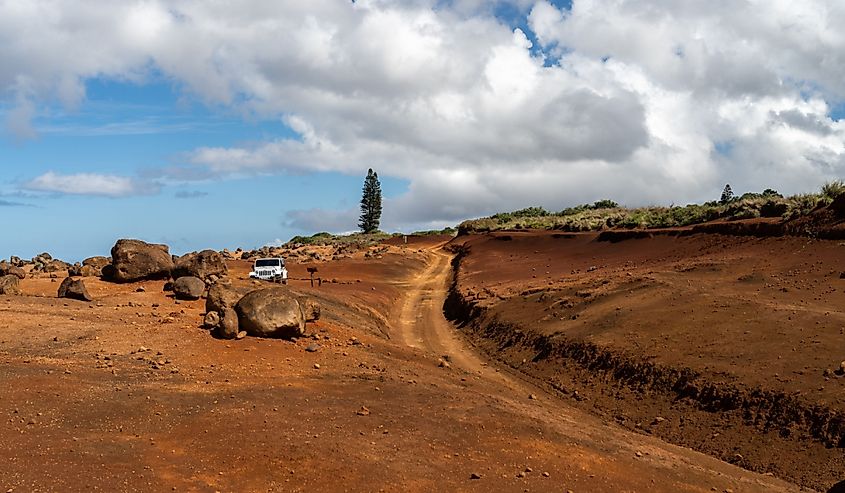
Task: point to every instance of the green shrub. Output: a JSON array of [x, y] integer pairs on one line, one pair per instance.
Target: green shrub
[[833, 189], [604, 204]]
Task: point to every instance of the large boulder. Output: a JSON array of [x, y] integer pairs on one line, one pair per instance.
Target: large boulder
[[74, 289], [10, 285], [10, 269], [202, 264], [221, 297], [135, 260], [188, 288], [271, 312]]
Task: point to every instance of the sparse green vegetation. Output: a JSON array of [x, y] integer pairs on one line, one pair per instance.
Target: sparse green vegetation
[[833, 189], [364, 239], [435, 232], [606, 214], [359, 239]]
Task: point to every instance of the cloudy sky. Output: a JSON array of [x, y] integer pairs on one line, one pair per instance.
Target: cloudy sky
[[223, 124]]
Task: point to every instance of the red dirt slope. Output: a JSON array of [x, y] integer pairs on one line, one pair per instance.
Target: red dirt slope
[[732, 341]]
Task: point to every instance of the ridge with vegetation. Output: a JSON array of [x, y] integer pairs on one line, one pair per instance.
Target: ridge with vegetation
[[607, 214]]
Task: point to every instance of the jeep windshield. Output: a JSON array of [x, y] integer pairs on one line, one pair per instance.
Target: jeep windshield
[[268, 262]]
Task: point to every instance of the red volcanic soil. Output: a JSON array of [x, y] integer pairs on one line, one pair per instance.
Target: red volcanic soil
[[728, 344], [129, 393]]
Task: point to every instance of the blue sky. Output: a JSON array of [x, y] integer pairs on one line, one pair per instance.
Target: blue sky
[[240, 124], [131, 129]]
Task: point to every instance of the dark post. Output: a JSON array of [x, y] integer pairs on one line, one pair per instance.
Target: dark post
[[312, 270]]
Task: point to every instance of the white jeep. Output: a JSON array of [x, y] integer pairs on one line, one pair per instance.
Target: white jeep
[[270, 269]]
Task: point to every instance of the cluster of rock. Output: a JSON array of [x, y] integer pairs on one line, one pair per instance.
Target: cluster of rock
[[231, 313], [43, 262], [136, 260], [8, 269], [269, 312], [90, 267], [46, 263], [297, 252]]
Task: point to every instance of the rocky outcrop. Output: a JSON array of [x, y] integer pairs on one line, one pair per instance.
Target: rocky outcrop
[[135, 260], [10, 285], [188, 288], [203, 265], [74, 289], [271, 312]]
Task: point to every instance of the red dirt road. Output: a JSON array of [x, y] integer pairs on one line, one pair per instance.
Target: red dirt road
[[129, 394]]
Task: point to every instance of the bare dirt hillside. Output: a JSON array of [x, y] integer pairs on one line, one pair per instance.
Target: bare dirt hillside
[[731, 345], [128, 393]]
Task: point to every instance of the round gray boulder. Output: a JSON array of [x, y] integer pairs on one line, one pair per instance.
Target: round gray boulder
[[271, 312], [188, 288]]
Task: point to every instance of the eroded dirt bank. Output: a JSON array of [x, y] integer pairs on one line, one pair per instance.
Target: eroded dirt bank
[[728, 345]]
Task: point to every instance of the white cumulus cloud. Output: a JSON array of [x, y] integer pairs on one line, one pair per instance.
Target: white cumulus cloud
[[636, 100], [90, 184]]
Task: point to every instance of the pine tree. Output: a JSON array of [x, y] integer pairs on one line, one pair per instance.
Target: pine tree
[[370, 203], [727, 194]]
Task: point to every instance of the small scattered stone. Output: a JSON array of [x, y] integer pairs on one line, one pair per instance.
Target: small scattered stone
[[546, 474], [241, 335], [474, 475], [313, 348], [532, 397], [316, 366], [363, 411], [639, 454]]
